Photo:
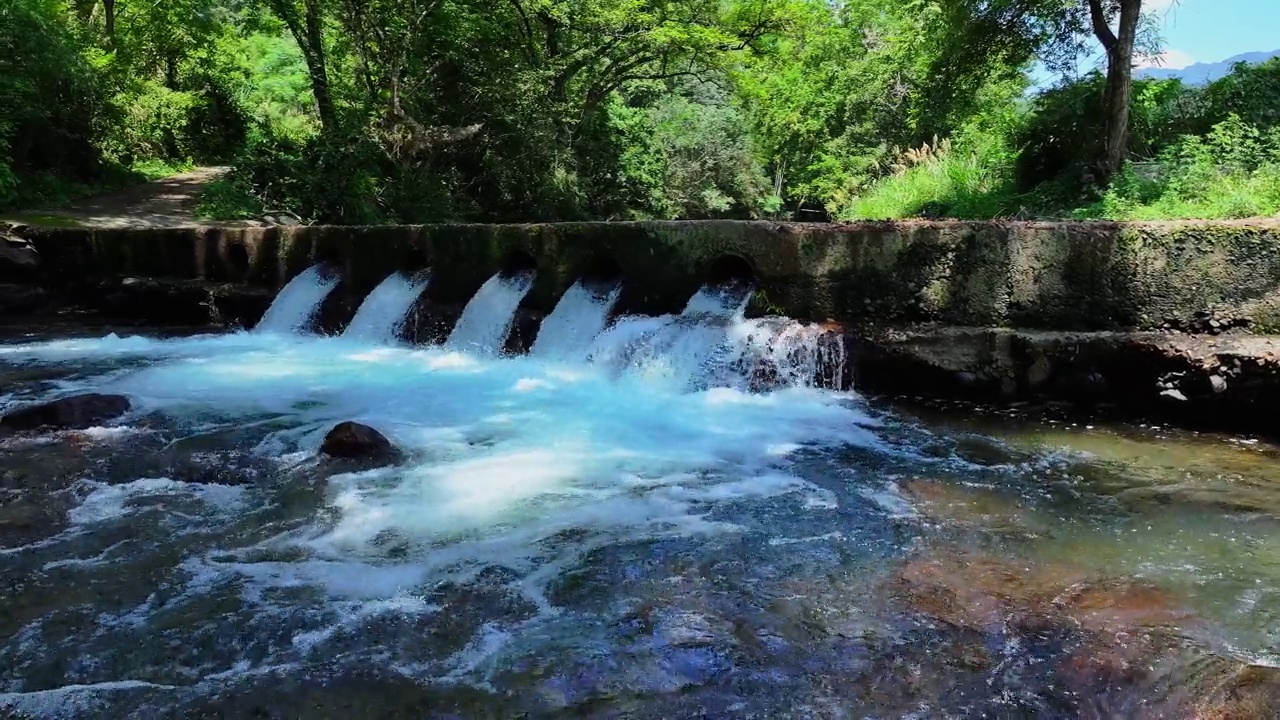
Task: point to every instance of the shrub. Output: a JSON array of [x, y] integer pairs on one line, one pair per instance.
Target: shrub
[[1233, 172]]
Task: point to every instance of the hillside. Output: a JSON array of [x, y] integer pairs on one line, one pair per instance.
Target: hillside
[[1203, 73]]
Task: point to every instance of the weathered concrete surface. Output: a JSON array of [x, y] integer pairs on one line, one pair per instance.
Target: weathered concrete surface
[[1057, 276]]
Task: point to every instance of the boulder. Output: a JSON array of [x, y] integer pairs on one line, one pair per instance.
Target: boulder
[[21, 298], [281, 217], [18, 259], [70, 413], [353, 441]]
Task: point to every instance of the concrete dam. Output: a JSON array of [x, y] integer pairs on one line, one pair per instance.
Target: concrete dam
[[1171, 316]]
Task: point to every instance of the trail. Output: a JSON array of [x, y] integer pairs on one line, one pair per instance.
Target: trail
[[168, 202]]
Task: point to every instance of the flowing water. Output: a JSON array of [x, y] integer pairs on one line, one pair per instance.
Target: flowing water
[[580, 316], [298, 302], [487, 319], [382, 315], [677, 517]]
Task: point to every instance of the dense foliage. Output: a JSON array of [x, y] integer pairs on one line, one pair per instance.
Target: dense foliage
[[422, 110]]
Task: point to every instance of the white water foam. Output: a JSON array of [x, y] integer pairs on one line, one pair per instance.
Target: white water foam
[[383, 312], [724, 301], [581, 315], [487, 319], [105, 502], [507, 452], [298, 302], [113, 347], [711, 345], [70, 701]]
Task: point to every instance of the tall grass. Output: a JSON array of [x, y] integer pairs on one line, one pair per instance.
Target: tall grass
[[959, 182], [1231, 172]]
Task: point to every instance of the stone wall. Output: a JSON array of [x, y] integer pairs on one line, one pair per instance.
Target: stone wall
[[1055, 276]]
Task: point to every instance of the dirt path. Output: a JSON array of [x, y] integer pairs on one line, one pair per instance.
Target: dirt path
[[168, 202]]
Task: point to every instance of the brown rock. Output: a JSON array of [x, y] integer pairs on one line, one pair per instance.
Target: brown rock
[[953, 503], [71, 413], [1250, 692], [351, 440], [1119, 606], [978, 592]]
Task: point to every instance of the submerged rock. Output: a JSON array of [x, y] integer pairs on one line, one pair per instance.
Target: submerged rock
[[70, 413], [1238, 692], [351, 440], [988, 593]]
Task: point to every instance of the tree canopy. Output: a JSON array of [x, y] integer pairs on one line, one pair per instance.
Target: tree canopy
[[492, 110]]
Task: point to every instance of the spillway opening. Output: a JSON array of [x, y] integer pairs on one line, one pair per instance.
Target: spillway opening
[[729, 269], [732, 280], [516, 263], [600, 274]]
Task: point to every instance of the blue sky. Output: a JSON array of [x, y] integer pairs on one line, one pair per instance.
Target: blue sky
[[1214, 30]]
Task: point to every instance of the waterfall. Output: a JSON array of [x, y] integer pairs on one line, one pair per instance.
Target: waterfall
[[487, 318], [567, 333], [710, 344], [298, 302], [674, 349], [774, 352], [613, 349], [723, 301], [383, 313]]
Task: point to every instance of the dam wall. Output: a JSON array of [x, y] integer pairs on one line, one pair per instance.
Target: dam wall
[[1166, 321], [1051, 276]]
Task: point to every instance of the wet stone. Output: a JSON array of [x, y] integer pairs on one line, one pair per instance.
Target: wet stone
[[353, 441], [321, 693], [73, 413], [686, 629], [956, 504], [18, 258], [26, 518], [21, 298], [1244, 692], [1218, 383]]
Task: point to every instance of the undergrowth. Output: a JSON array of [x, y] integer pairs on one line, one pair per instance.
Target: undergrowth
[[1231, 172], [229, 198]]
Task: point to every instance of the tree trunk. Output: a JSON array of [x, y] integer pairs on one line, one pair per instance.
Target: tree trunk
[[308, 32], [317, 67], [1119, 91], [109, 15], [171, 71]]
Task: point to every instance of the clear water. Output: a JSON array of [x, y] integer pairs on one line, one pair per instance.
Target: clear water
[[383, 313], [719, 536]]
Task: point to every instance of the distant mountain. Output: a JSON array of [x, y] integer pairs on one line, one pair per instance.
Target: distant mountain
[[1204, 73]]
